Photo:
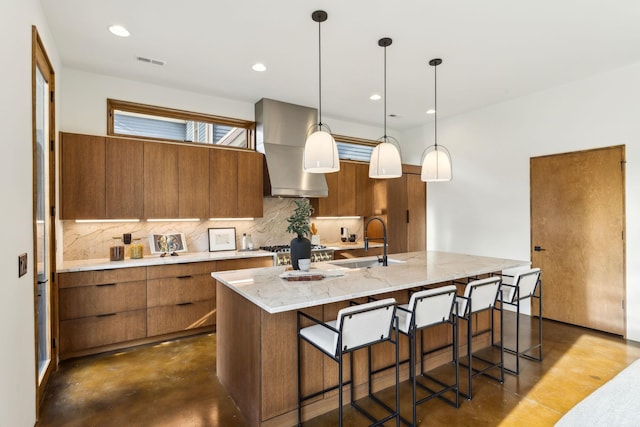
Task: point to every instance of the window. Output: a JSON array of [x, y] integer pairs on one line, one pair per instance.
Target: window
[[146, 121], [350, 148]]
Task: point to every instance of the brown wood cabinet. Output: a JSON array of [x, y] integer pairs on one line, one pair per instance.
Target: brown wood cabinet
[[350, 192], [193, 182], [120, 178], [161, 180], [235, 182], [82, 176], [124, 180], [180, 297], [364, 191], [402, 203], [250, 176], [101, 308], [100, 177]]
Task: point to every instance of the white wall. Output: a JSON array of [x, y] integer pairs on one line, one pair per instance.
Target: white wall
[[485, 209], [84, 103], [17, 357]]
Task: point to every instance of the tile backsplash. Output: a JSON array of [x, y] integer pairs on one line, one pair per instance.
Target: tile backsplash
[[92, 240]]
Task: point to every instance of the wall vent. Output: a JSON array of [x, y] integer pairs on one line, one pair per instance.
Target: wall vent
[[151, 61]]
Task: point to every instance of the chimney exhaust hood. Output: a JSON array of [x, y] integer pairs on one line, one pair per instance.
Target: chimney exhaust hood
[[281, 130]]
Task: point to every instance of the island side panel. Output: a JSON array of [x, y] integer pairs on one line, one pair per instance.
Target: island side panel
[[238, 351], [280, 360]]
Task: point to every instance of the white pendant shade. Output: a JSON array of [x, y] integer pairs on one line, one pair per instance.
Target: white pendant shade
[[321, 153], [385, 161], [436, 165]]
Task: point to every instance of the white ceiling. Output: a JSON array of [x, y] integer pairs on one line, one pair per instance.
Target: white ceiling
[[492, 50]]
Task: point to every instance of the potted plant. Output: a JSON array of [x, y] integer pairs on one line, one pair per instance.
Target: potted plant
[[299, 225]]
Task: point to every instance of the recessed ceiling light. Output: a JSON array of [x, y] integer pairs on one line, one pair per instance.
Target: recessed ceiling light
[[375, 97], [259, 67], [431, 111], [119, 31]]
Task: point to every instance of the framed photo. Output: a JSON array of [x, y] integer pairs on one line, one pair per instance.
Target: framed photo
[[222, 239], [167, 243]]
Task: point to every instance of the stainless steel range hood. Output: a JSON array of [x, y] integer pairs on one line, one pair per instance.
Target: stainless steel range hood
[[281, 130]]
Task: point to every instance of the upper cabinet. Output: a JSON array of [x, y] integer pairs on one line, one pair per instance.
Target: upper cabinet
[[120, 178], [123, 184], [193, 182], [350, 192], [160, 180], [403, 202], [235, 180], [82, 177]]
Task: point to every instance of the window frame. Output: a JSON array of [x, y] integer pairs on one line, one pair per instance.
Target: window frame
[[172, 113], [355, 141]]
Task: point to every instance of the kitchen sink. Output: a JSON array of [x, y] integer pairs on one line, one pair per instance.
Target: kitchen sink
[[365, 263]]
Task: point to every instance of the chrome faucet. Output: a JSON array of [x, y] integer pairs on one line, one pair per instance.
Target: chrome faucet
[[384, 231]]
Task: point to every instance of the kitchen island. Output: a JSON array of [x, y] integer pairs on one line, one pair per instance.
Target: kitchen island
[[256, 326]]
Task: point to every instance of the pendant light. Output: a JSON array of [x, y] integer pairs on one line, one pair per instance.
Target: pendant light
[[320, 149], [436, 160], [385, 159]]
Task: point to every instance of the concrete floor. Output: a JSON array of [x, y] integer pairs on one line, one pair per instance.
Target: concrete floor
[[175, 384]]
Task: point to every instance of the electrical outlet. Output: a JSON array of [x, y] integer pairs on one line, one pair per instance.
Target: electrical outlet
[[22, 265]]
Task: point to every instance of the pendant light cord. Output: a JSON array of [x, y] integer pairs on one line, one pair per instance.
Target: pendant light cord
[[435, 105], [385, 95], [319, 76]]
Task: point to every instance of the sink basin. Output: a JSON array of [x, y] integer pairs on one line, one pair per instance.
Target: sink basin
[[364, 263]]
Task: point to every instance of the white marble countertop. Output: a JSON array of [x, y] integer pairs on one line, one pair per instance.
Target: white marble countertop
[[265, 288], [148, 260], [106, 264]]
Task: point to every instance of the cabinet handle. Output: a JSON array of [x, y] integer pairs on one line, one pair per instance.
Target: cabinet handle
[[407, 216], [106, 315], [184, 303], [105, 284], [184, 277]]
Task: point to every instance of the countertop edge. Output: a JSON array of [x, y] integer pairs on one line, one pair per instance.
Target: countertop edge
[[382, 281], [151, 260]]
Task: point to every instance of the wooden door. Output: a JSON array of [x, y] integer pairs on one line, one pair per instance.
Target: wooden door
[[577, 234], [124, 187], [193, 192], [223, 183], [82, 176], [160, 180]]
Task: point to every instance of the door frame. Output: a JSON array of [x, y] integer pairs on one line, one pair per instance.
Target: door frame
[[40, 59]]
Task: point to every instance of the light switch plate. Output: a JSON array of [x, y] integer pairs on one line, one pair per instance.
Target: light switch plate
[[22, 265]]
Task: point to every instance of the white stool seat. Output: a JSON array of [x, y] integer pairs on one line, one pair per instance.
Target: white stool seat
[[322, 337]]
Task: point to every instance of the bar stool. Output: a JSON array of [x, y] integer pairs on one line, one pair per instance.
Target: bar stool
[[479, 296], [356, 327], [516, 288], [429, 308]]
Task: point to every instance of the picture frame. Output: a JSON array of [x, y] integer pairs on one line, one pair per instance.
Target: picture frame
[[222, 239], [170, 243]]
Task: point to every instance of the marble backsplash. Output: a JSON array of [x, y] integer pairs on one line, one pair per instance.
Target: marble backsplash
[[92, 240]]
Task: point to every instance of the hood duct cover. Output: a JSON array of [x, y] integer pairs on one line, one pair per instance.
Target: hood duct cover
[[281, 130]]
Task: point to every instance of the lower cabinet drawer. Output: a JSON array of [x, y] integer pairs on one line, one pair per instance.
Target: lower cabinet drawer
[[88, 332], [95, 300], [180, 317]]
